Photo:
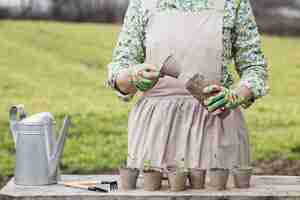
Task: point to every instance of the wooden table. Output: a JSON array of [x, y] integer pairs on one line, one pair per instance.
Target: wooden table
[[262, 187]]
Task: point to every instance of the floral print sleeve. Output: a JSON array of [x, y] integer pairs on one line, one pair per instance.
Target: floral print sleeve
[[249, 59], [129, 49]]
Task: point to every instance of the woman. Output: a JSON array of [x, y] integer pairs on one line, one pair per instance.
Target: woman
[[168, 124]]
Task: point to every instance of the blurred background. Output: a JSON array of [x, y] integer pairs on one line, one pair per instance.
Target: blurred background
[[51, 61], [273, 16]]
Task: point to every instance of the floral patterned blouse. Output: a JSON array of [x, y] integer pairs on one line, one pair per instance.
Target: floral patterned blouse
[[241, 42]]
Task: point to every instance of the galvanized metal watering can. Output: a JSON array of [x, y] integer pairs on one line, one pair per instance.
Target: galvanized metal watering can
[[37, 153]]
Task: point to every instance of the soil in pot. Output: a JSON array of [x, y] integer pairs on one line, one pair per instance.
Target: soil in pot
[[242, 177], [218, 178], [129, 178], [197, 178], [195, 86], [177, 180], [152, 180]]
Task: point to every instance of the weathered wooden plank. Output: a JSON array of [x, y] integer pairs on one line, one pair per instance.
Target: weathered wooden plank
[[262, 187]]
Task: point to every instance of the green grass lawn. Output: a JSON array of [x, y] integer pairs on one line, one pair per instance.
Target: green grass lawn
[[61, 67]]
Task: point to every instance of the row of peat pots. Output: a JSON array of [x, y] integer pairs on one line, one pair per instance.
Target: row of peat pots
[[177, 178]]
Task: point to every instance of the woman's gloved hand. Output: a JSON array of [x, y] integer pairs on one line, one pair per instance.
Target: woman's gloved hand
[[143, 76], [224, 99]]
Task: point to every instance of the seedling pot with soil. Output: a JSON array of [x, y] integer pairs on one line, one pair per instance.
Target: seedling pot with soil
[[197, 178], [152, 179], [242, 177], [128, 177], [195, 86], [218, 178], [177, 180]]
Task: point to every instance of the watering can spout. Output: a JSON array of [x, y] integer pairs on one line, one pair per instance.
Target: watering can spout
[[58, 148]]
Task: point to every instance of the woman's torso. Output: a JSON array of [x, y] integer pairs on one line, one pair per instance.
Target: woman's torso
[[192, 37], [196, 6]]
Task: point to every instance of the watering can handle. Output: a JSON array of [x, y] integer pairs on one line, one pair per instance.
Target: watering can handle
[[13, 118], [14, 110]]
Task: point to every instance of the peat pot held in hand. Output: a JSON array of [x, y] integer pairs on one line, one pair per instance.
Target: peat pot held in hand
[[197, 178], [177, 180], [218, 178], [242, 177], [152, 179], [129, 178], [196, 85]]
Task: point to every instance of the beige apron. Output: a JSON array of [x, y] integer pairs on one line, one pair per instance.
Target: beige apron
[[167, 124]]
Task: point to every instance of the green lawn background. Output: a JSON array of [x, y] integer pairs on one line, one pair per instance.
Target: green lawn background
[[61, 67]]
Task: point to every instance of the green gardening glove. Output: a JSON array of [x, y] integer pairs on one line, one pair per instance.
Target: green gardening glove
[[143, 76], [224, 99]]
